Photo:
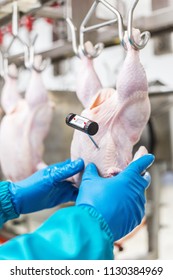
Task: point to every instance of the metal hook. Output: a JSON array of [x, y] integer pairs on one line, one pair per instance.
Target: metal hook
[[83, 29], [145, 36], [6, 55], [73, 33], [29, 55], [14, 38], [98, 47], [77, 49]]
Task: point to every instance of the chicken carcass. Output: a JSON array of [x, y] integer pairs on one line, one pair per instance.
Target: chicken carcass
[[24, 129], [121, 114]]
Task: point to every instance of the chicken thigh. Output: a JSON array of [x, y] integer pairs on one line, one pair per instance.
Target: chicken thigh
[[88, 82]]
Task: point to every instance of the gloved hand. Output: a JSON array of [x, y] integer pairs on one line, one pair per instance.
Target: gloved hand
[[46, 188], [119, 199]]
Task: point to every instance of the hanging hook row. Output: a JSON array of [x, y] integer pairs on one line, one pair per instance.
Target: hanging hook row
[[145, 36]]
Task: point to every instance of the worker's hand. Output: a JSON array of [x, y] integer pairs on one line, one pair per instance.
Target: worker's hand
[[46, 188], [119, 199]]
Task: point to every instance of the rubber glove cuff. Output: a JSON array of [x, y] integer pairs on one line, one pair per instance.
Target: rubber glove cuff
[[7, 211]]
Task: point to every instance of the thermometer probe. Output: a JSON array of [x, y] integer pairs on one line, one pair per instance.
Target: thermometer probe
[[83, 124]]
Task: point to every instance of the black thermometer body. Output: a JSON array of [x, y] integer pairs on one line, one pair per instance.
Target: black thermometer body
[[82, 124]]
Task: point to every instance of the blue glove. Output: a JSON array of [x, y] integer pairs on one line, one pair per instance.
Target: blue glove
[[46, 188], [119, 199]]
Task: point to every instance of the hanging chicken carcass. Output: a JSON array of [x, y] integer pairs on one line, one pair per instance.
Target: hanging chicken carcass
[[24, 127], [121, 114]]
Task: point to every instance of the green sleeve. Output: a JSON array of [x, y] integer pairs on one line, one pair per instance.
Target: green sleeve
[[7, 211], [73, 233]]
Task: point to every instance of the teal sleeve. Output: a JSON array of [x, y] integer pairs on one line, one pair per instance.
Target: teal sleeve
[[7, 211], [73, 233]]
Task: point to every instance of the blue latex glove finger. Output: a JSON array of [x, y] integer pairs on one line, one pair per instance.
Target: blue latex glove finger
[[141, 164], [90, 171], [46, 188], [59, 172], [139, 167], [119, 199]]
